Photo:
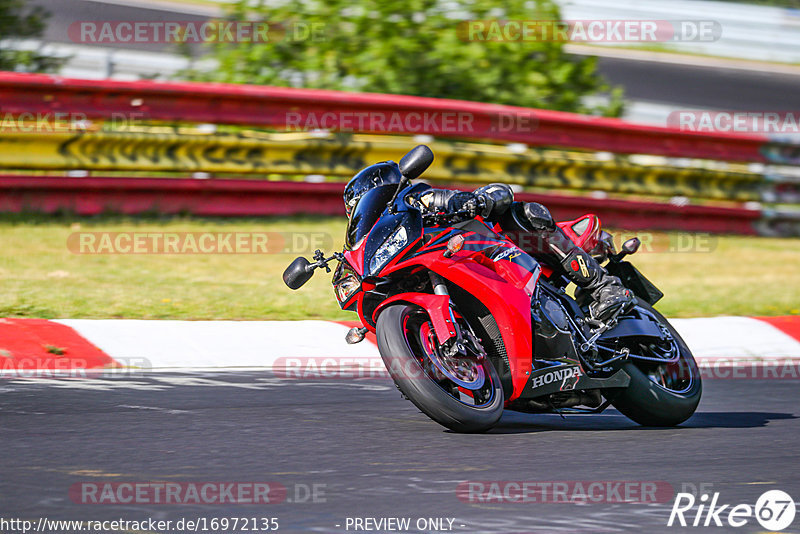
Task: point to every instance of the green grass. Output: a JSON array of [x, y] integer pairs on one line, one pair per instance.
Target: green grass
[[43, 278], [737, 276]]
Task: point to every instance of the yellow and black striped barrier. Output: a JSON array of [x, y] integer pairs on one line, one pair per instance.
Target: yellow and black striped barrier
[[248, 152]]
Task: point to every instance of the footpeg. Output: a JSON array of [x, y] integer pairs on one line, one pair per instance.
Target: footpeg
[[355, 335]]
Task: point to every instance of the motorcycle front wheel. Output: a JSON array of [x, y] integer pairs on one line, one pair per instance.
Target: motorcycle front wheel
[[462, 394]]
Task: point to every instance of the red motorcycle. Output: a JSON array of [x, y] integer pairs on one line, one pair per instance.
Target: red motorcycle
[[468, 323]]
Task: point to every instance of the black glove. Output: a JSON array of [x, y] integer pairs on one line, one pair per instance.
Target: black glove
[[497, 199], [486, 204], [461, 202], [471, 204]]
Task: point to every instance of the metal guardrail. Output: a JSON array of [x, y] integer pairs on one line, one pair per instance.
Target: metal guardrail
[[250, 198], [761, 33], [98, 63], [619, 168], [281, 107], [339, 155]]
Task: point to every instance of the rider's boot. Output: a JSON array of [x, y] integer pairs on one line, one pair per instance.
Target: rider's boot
[[606, 291]]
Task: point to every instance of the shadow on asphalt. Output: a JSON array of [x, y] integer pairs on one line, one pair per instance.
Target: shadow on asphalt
[[734, 419], [519, 423]]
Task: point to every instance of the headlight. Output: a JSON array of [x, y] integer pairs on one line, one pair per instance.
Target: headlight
[[346, 287], [345, 282], [393, 244]]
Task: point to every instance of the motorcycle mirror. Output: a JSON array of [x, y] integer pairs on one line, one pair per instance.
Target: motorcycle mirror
[[416, 161], [631, 245], [298, 273], [608, 242]]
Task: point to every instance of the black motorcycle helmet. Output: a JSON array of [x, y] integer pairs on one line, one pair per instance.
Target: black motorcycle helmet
[[386, 173]]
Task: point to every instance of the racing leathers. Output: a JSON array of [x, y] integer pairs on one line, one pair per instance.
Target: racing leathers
[[495, 203]]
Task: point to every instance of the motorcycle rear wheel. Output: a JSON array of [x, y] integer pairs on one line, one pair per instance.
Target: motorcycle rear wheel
[[650, 403], [402, 340]]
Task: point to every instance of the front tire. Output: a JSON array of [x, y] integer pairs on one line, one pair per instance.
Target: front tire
[[398, 332], [649, 403]]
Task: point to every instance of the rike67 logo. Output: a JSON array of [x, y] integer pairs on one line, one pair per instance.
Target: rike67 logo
[[774, 510]]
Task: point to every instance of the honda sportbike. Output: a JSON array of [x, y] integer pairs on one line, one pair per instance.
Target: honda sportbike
[[468, 323]]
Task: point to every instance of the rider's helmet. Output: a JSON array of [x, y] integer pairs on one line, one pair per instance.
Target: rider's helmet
[[384, 174]]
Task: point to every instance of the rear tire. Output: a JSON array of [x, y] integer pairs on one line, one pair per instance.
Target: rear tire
[[407, 371], [650, 404]]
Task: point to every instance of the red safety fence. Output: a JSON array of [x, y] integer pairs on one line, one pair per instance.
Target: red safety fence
[[282, 107], [243, 198]]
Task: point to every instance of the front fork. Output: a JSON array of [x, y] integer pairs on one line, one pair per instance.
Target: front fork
[[437, 282], [438, 306], [439, 288]]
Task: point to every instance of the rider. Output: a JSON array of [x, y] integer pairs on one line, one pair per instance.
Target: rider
[[495, 203]]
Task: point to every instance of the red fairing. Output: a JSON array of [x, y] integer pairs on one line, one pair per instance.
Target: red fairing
[[360, 310], [496, 272], [503, 286], [508, 301], [437, 306], [355, 257]]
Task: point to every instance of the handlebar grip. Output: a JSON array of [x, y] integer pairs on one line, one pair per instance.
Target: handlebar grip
[[440, 217]]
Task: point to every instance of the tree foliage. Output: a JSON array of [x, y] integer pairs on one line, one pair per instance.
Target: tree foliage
[[413, 47], [17, 22]]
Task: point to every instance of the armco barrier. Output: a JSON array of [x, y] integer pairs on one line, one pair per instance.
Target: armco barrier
[[343, 155], [130, 196], [92, 196], [272, 106]]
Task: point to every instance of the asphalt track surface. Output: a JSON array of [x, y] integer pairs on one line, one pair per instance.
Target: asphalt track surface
[[663, 83], [373, 453], [702, 87]]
